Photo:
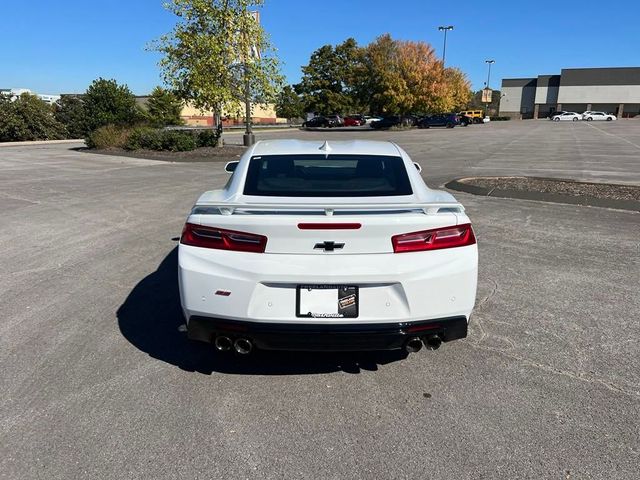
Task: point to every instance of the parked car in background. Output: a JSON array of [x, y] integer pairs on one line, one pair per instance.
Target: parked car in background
[[567, 117], [335, 121], [387, 122], [368, 120], [354, 121], [465, 120], [475, 115], [602, 116], [554, 113], [448, 120], [395, 121], [318, 121]]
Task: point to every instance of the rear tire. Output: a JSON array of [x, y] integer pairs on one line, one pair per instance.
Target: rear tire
[[609, 119], [556, 119], [450, 125]]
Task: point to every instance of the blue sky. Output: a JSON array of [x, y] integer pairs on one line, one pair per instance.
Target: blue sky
[[61, 46]]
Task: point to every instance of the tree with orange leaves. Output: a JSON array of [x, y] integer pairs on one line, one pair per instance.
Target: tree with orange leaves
[[402, 77]]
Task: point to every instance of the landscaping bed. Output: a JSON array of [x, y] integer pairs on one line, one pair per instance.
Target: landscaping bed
[[626, 197], [203, 154]]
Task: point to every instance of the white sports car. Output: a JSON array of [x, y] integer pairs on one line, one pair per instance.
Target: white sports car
[[327, 246]]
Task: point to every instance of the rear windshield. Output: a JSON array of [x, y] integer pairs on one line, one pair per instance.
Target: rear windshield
[[332, 176]]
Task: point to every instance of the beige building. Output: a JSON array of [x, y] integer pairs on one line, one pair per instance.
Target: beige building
[[261, 114]]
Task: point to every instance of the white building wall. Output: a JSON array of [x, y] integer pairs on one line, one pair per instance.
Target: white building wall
[[511, 99], [599, 94]]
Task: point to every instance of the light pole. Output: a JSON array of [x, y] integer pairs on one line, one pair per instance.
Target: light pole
[[488, 62], [445, 29]]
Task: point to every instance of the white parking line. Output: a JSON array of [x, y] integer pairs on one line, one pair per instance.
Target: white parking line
[[614, 135]]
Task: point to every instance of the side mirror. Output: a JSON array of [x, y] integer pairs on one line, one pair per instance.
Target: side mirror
[[418, 167], [230, 167]]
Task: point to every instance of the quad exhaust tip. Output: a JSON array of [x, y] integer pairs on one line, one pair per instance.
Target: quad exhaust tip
[[223, 344], [433, 342], [413, 345], [243, 346]]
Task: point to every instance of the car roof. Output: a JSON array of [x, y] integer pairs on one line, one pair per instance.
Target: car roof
[[311, 147]]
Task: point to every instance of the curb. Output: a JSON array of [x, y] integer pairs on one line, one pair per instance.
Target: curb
[[39, 142], [461, 185]]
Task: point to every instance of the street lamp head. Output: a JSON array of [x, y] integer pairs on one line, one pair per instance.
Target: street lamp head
[[448, 27], [489, 61]]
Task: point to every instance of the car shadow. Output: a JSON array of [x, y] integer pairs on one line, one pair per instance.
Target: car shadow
[[151, 319]]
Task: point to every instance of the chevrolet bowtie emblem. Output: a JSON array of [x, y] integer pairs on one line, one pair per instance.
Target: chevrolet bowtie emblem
[[329, 246]]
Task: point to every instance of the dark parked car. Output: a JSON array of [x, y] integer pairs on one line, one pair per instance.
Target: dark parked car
[[465, 121], [448, 120], [394, 121], [335, 120], [319, 121]]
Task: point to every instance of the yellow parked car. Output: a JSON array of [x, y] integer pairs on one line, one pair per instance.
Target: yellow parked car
[[475, 115]]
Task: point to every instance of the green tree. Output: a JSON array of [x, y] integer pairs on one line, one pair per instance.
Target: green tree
[[210, 60], [70, 111], [289, 105], [28, 118], [330, 81], [164, 108], [107, 103]]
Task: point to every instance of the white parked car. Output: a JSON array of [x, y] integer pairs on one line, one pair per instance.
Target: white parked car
[[591, 116], [567, 116], [327, 246], [369, 120]]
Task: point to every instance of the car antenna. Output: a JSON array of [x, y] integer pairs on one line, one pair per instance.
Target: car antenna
[[325, 148]]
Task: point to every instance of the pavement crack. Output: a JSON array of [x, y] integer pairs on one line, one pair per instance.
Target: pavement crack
[[567, 373]]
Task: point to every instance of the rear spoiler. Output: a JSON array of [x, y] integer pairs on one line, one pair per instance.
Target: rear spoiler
[[327, 209]]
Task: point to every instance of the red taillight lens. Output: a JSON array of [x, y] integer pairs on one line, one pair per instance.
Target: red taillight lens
[[438, 238], [212, 237]]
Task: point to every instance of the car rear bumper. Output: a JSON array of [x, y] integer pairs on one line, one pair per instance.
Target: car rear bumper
[[261, 288], [320, 337]]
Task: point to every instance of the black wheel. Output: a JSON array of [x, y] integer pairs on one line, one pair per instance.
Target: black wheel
[[556, 119], [450, 125], [609, 119], [575, 119], [589, 119]]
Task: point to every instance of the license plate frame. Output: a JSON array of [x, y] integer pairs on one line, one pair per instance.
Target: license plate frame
[[347, 301]]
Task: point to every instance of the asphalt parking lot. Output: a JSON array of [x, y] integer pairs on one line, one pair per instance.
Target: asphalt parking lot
[[98, 380]]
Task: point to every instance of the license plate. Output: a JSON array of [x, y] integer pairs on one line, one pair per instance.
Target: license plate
[[327, 301]]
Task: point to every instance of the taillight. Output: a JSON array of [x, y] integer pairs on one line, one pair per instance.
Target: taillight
[[435, 239], [212, 237]]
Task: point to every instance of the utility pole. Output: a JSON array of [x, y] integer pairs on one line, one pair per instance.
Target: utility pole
[[445, 29], [488, 62], [248, 138]]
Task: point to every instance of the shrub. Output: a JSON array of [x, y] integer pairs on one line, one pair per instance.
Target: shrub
[[157, 139], [208, 138], [28, 118], [109, 136], [145, 138], [178, 141]]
